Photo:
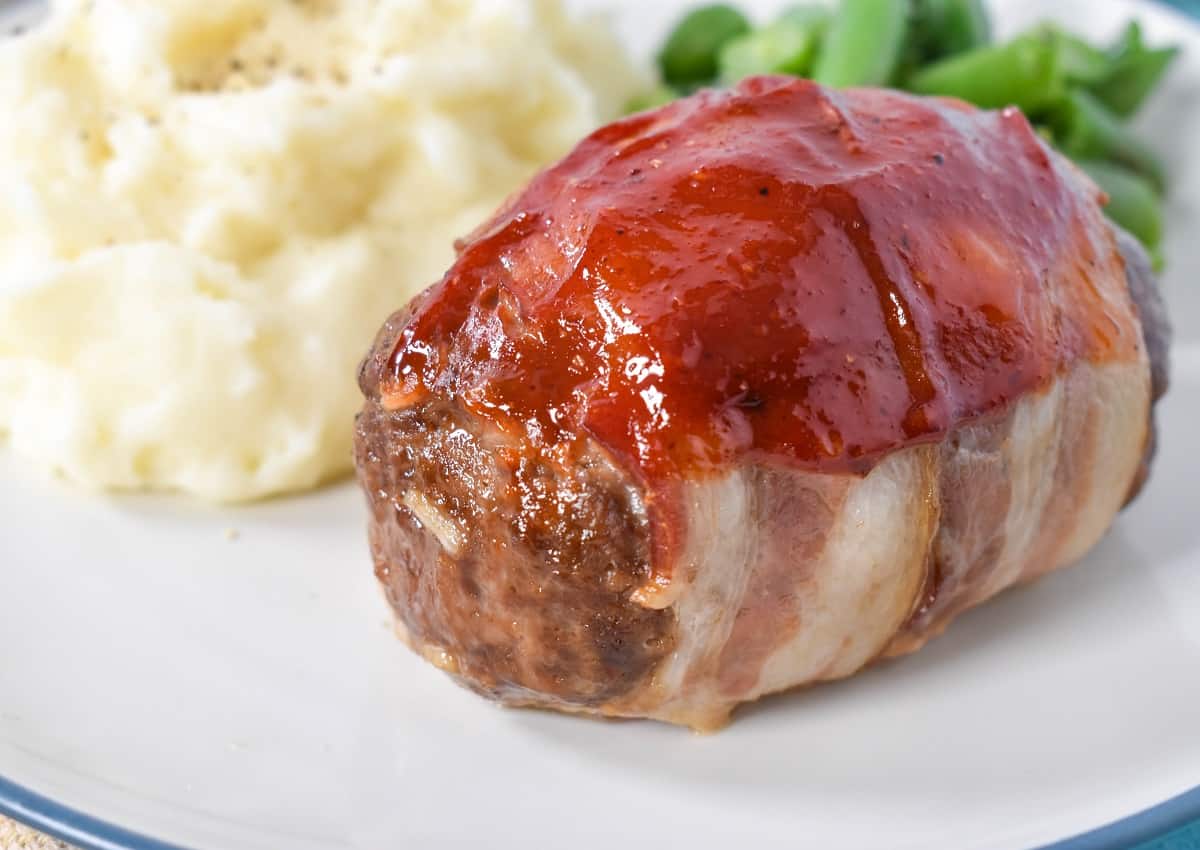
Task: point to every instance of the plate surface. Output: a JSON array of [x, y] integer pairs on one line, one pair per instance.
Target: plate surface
[[248, 693]]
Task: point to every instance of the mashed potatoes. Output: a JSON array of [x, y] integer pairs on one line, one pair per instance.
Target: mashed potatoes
[[208, 208]]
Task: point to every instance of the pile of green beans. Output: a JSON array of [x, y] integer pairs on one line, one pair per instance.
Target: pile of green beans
[[1079, 95]]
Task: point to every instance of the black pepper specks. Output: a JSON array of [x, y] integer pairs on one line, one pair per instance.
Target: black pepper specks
[[750, 401]]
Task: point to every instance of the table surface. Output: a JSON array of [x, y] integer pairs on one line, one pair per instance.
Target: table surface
[[13, 836]]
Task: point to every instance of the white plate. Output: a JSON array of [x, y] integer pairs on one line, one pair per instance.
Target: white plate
[[248, 693]]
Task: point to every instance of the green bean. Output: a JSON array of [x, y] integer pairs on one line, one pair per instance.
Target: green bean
[[942, 28], [1133, 73], [660, 95], [1132, 201], [1024, 72], [1084, 129], [786, 46], [1081, 62], [807, 14], [864, 43], [689, 56]]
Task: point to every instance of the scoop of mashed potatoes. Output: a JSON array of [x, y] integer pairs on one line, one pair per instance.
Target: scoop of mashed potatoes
[[208, 208]]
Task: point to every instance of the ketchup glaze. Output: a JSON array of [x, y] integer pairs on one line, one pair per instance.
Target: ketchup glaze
[[777, 272]]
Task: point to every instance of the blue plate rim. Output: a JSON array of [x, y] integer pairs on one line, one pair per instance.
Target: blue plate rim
[[86, 832], [1148, 827], [91, 833], [71, 825]]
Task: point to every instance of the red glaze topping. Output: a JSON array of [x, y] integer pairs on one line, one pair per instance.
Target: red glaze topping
[[778, 272]]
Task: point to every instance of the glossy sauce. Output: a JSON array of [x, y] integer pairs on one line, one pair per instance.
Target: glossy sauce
[[778, 272]]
